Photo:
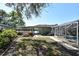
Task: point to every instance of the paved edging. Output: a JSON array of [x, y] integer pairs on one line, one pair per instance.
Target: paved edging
[[64, 44], [72, 50]]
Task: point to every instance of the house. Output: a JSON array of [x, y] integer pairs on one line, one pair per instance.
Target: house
[[37, 29]]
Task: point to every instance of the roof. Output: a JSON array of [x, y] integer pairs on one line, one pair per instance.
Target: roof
[[67, 23]]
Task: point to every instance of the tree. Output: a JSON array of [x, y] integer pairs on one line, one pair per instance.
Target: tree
[[16, 19], [28, 9], [12, 19], [3, 15]]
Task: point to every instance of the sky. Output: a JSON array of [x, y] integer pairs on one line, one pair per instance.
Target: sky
[[56, 13]]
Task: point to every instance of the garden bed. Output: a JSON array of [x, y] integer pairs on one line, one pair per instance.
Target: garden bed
[[33, 47]]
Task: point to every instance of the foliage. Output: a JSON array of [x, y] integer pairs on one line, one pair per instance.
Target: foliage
[[4, 41], [12, 19], [35, 47], [28, 9], [3, 15], [10, 33], [19, 33], [16, 19], [6, 37]]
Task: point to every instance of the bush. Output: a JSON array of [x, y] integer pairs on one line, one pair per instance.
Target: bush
[[9, 33], [19, 33], [4, 41], [6, 37]]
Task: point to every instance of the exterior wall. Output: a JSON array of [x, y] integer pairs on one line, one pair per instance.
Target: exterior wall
[[41, 30]]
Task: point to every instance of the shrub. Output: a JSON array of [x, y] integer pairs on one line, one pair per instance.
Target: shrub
[[19, 33], [9, 33], [6, 37], [4, 41]]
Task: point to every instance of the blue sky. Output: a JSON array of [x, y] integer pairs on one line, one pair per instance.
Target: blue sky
[[56, 13]]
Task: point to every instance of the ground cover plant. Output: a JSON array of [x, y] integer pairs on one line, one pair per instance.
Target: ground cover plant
[[31, 47]]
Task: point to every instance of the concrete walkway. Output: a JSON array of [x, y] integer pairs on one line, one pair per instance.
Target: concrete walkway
[[62, 42], [69, 48]]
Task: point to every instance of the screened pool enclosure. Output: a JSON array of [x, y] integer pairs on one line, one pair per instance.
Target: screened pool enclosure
[[70, 31]]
